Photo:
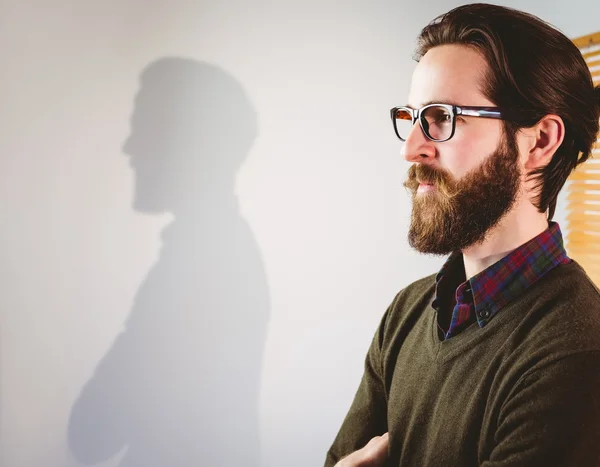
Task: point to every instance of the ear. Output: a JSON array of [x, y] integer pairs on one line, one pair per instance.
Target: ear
[[544, 138]]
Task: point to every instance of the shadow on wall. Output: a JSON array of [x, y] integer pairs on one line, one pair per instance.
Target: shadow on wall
[[180, 385]]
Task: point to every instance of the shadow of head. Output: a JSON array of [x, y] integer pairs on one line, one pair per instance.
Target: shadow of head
[[192, 126]]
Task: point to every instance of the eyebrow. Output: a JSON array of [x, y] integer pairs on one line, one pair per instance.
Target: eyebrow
[[436, 101]]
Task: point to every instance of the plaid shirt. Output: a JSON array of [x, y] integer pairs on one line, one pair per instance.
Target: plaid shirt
[[484, 295]]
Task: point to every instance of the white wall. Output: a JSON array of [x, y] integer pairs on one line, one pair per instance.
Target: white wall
[[158, 274]]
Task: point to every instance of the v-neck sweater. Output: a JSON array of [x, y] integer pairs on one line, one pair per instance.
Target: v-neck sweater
[[524, 390]]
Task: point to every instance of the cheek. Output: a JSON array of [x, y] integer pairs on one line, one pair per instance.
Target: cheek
[[466, 155], [460, 161]]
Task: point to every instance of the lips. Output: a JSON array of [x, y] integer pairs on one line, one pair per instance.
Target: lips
[[425, 186]]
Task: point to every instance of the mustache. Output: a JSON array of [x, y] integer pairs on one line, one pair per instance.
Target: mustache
[[424, 173]]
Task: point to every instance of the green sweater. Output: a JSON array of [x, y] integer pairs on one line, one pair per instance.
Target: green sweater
[[522, 391]]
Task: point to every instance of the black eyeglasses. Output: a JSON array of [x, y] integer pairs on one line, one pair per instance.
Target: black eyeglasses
[[438, 121]]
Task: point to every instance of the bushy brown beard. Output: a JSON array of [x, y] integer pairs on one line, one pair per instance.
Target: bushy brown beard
[[459, 213]]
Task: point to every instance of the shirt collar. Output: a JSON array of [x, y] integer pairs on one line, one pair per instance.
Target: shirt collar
[[509, 277]]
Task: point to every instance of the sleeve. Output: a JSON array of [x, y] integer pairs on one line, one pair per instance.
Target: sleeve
[[367, 416], [552, 417]]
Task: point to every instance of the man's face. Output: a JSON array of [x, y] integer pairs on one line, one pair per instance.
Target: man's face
[[461, 188]]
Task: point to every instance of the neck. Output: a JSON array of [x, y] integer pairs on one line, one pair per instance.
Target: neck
[[520, 225]]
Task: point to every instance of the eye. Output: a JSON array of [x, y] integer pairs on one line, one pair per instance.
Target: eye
[[443, 118], [437, 115]]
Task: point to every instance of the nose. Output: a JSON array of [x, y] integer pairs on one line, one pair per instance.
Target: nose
[[417, 147]]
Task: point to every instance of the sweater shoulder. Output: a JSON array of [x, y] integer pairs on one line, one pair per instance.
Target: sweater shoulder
[[569, 295], [573, 278], [561, 315], [408, 304], [418, 287], [413, 294]]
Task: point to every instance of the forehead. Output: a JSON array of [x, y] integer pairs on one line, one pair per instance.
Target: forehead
[[449, 74]]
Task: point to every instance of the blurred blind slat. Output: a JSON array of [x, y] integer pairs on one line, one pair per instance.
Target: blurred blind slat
[[583, 198]]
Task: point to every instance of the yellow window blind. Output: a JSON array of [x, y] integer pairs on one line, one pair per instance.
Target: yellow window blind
[[583, 187]]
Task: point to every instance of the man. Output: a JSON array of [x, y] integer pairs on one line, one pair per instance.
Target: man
[[494, 361]]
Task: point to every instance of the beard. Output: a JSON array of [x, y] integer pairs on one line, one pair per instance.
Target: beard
[[460, 213]]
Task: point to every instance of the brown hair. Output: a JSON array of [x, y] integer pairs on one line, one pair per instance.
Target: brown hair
[[534, 70]]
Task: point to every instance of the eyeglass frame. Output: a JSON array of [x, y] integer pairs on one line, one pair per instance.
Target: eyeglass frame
[[454, 110]]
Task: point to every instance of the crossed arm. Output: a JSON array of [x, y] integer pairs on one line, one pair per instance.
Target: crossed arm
[[551, 417]]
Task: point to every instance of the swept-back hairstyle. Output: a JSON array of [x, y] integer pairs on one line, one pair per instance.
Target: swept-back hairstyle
[[533, 70]]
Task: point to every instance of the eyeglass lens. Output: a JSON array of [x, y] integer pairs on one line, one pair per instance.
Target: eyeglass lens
[[435, 120]]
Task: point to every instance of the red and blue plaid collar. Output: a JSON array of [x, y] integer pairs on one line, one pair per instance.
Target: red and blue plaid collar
[[506, 279]]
